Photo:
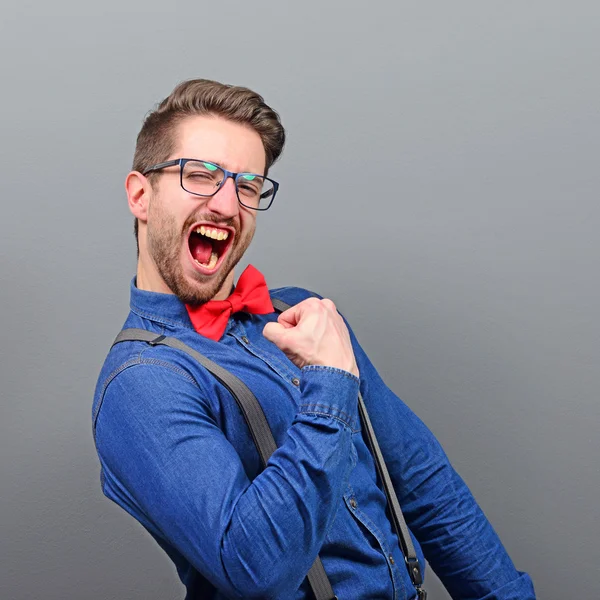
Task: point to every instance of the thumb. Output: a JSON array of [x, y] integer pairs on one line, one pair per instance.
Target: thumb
[[273, 331]]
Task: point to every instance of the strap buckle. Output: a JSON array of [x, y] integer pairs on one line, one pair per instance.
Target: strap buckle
[[414, 570], [421, 594], [157, 340]]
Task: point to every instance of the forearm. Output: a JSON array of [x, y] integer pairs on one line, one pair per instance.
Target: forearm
[[456, 537], [283, 517], [459, 541]]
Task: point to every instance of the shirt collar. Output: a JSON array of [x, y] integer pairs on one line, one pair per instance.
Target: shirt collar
[[166, 309]]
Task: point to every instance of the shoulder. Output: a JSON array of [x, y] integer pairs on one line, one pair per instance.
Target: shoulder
[[125, 356], [143, 376], [137, 374], [293, 295]]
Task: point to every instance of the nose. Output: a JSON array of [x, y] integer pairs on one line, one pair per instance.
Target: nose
[[225, 201]]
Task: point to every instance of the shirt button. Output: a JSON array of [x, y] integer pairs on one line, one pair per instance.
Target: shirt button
[[391, 559], [296, 381], [245, 339], [353, 503]]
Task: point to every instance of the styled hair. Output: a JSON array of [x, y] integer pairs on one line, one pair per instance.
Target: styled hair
[[157, 137]]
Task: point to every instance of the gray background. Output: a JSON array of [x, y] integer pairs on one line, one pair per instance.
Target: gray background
[[440, 183]]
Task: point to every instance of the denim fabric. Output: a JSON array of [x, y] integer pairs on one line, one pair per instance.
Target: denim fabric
[[176, 454]]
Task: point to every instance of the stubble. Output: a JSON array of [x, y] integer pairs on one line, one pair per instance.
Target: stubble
[[165, 241]]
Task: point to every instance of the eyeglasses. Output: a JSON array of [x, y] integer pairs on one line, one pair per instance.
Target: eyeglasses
[[204, 178]]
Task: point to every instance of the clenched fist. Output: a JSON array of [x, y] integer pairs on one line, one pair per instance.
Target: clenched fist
[[313, 333]]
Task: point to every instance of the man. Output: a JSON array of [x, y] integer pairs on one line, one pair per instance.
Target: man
[[174, 449]]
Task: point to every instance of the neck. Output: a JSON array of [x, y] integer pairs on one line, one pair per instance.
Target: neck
[[225, 290], [149, 280]]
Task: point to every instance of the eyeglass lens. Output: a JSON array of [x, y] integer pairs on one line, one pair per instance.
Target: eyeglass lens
[[203, 178]]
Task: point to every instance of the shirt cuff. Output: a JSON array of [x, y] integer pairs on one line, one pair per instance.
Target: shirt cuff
[[330, 392]]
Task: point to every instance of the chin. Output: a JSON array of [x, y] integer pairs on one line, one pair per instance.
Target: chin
[[193, 291]]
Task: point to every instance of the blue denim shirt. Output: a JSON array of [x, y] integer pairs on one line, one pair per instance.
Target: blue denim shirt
[[176, 454]]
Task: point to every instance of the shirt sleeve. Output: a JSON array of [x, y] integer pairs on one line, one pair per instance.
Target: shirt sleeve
[[456, 537], [166, 461]]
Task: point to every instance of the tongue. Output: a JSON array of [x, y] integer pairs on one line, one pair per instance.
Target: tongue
[[201, 248]]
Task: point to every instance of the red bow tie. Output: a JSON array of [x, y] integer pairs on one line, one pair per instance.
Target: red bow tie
[[251, 295]]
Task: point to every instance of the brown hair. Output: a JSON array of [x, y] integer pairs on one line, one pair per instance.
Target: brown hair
[[156, 140]]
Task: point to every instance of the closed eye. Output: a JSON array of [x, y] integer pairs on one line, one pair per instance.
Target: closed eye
[[200, 175]]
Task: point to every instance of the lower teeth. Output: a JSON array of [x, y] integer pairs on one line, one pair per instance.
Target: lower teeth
[[214, 257]]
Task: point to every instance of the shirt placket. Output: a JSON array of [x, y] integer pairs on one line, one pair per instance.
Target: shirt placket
[[287, 372], [399, 589]]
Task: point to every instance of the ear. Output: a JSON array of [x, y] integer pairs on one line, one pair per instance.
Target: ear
[[138, 190]]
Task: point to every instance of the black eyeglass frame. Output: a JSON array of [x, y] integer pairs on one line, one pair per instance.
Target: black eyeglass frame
[[235, 176]]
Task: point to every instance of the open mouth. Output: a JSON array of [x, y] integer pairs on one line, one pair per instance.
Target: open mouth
[[208, 245]]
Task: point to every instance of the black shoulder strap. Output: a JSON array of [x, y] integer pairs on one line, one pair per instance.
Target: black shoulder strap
[[254, 417], [408, 549], [280, 305]]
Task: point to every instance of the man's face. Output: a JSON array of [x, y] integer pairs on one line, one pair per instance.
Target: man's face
[[195, 266]]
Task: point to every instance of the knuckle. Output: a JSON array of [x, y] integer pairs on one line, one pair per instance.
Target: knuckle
[[328, 303]]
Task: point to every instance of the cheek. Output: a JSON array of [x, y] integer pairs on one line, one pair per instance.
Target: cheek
[[156, 209], [172, 202], [168, 217], [248, 222], [162, 222]]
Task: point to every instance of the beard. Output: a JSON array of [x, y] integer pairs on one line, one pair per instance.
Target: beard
[[164, 246]]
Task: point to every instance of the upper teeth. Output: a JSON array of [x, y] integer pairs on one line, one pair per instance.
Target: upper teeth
[[215, 234]]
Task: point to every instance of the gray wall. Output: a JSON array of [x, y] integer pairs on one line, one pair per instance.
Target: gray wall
[[440, 183]]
